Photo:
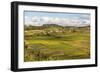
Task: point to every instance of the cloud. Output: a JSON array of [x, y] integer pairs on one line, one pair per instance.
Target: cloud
[[39, 21], [26, 17], [86, 17]]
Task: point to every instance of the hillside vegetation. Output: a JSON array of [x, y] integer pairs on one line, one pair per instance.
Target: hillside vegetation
[[54, 42]]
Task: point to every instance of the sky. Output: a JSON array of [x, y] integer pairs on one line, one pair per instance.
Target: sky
[[37, 18]]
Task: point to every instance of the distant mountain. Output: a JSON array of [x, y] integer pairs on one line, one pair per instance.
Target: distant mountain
[[45, 26], [51, 25]]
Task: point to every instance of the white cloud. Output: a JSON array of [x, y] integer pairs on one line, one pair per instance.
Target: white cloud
[[39, 21], [87, 17], [35, 19], [26, 17]]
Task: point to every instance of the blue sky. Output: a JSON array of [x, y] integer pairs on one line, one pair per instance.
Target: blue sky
[[39, 18]]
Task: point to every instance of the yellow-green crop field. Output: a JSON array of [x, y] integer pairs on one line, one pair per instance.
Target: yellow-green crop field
[[56, 44]]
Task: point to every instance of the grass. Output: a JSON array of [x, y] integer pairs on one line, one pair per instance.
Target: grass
[[57, 46]]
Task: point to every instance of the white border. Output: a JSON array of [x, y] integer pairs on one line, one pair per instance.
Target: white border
[[22, 64]]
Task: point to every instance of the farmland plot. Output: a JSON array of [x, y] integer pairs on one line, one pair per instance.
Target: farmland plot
[[56, 43]]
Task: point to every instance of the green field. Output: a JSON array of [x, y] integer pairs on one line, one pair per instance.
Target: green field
[[47, 43]]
